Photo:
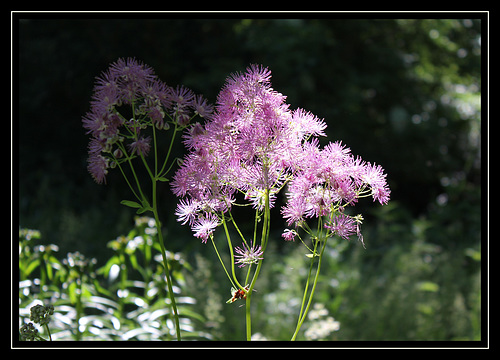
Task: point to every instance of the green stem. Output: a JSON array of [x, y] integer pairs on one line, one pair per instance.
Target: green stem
[[154, 179], [238, 229], [78, 306], [222, 263], [164, 257], [168, 153], [137, 182], [231, 252], [301, 319], [248, 315], [265, 237], [153, 208], [48, 331], [128, 182], [307, 284], [167, 274]]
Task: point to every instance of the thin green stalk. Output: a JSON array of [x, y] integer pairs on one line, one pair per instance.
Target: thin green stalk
[[222, 263], [265, 237], [256, 225], [307, 283], [167, 272], [128, 182], [79, 309], [238, 229], [248, 273], [156, 150], [301, 319], [48, 331], [162, 245], [232, 253], [168, 154], [313, 255], [154, 178], [248, 315], [129, 159]]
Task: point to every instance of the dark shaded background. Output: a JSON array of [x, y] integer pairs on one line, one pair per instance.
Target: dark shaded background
[[403, 93]]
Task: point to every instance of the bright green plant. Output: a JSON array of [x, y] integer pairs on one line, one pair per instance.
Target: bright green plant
[[126, 299]]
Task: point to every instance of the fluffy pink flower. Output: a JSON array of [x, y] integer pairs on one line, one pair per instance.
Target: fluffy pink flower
[[204, 227], [254, 144], [97, 166], [248, 145], [307, 124], [331, 178], [250, 255], [289, 235], [374, 176], [140, 146], [343, 226], [186, 211]]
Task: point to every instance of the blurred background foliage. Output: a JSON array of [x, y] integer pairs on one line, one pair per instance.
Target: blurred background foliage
[[403, 93]]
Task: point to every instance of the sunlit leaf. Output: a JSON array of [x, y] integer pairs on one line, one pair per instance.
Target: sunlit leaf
[[428, 286]]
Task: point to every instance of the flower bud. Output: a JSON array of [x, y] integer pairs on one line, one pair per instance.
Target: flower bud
[[118, 153], [182, 118]]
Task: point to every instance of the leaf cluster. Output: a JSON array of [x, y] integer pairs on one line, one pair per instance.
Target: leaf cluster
[[125, 299]]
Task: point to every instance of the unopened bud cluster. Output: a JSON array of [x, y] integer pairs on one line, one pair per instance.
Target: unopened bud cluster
[[39, 314]]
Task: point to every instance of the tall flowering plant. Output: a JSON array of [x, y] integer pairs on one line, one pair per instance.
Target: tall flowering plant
[[130, 109], [249, 150]]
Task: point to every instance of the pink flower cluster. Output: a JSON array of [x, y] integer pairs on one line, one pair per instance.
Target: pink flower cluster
[[153, 103], [329, 180], [254, 145]]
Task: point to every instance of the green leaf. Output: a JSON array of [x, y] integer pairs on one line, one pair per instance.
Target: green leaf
[[428, 286], [101, 289], [186, 311], [104, 301], [143, 210], [162, 179], [144, 207], [32, 266], [133, 261], [72, 292], [474, 254], [107, 268], [50, 274], [131, 204]]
